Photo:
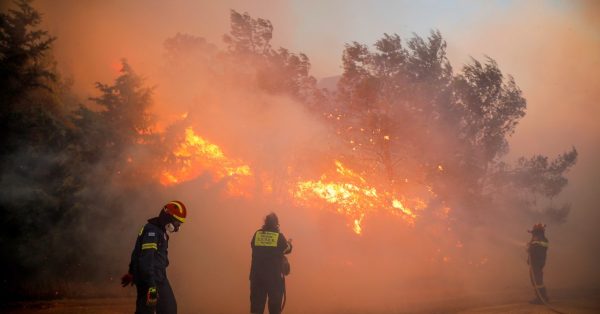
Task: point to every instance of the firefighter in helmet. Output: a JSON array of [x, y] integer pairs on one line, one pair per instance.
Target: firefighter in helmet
[[267, 269], [536, 251], [149, 261]]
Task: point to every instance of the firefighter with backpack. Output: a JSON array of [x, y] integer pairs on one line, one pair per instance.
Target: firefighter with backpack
[[269, 267]]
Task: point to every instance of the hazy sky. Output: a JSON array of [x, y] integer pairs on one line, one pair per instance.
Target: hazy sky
[[318, 28]]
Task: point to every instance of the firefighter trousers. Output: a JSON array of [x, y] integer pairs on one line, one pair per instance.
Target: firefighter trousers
[[538, 282], [166, 300], [263, 288]]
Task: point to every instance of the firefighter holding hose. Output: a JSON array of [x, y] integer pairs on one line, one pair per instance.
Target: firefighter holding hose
[[536, 251], [149, 261], [268, 267]]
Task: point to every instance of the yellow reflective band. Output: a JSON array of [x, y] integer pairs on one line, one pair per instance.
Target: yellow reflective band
[[141, 231], [180, 211], [179, 218], [540, 243], [178, 206], [266, 238], [147, 246]]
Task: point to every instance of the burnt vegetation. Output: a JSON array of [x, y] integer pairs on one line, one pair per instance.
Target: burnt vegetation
[[400, 111]]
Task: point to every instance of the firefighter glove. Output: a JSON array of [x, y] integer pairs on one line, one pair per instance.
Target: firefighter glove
[[127, 279], [152, 296]]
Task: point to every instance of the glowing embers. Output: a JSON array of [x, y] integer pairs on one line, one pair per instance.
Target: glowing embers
[[195, 156], [344, 191], [350, 194], [398, 205]]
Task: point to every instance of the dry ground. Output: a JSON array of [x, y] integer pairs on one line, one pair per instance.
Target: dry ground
[[567, 301]]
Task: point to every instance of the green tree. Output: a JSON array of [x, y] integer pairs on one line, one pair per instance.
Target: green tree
[[58, 167], [36, 186], [27, 80], [118, 138]]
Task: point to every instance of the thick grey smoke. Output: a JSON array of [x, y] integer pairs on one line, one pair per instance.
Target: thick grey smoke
[[391, 266]]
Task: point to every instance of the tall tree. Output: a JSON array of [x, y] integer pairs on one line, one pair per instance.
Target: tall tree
[[406, 115], [386, 96], [36, 198], [116, 134], [27, 79], [276, 71]]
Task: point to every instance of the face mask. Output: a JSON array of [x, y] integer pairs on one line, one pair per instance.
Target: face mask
[[171, 228]]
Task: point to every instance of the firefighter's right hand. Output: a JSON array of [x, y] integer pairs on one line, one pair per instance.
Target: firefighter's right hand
[[152, 296], [127, 279]]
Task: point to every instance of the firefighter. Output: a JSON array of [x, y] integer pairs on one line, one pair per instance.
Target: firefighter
[[267, 270], [149, 261], [536, 251]]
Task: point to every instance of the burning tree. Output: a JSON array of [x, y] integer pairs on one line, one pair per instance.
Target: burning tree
[[417, 134], [406, 116], [418, 138], [391, 101]]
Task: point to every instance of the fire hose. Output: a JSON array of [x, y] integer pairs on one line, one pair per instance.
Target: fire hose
[[537, 290], [284, 272], [284, 296]]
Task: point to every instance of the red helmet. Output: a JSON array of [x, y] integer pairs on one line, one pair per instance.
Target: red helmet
[[538, 228], [176, 209]]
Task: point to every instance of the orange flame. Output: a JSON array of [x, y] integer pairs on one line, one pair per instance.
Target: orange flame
[[351, 196], [345, 191], [195, 155]]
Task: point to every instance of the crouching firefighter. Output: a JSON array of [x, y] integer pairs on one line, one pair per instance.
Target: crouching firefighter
[[149, 261], [268, 267], [536, 251]]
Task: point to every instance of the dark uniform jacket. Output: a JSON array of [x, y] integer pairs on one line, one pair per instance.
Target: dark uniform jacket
[[268, 248], [537, 252], [149, 259]]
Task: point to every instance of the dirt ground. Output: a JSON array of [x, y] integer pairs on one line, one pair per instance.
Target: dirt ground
[[571, 306], [566, 302]]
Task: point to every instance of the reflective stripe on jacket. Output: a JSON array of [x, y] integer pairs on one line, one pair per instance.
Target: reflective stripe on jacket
[[537, 253], [149, 258]]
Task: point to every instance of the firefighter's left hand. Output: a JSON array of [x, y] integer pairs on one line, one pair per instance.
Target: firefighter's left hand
[[127, 279], [152, 296]]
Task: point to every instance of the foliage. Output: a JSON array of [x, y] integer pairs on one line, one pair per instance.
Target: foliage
[[27, 79], [401, 110], [35, 179], [56, 164], [119, 132], [277, 71]]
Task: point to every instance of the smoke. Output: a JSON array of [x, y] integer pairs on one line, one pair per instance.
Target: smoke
[[553, 51], [392, 266]]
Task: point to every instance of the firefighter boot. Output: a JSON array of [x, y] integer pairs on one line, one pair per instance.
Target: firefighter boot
[[538, 297], [536, 301], [544, 295]]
